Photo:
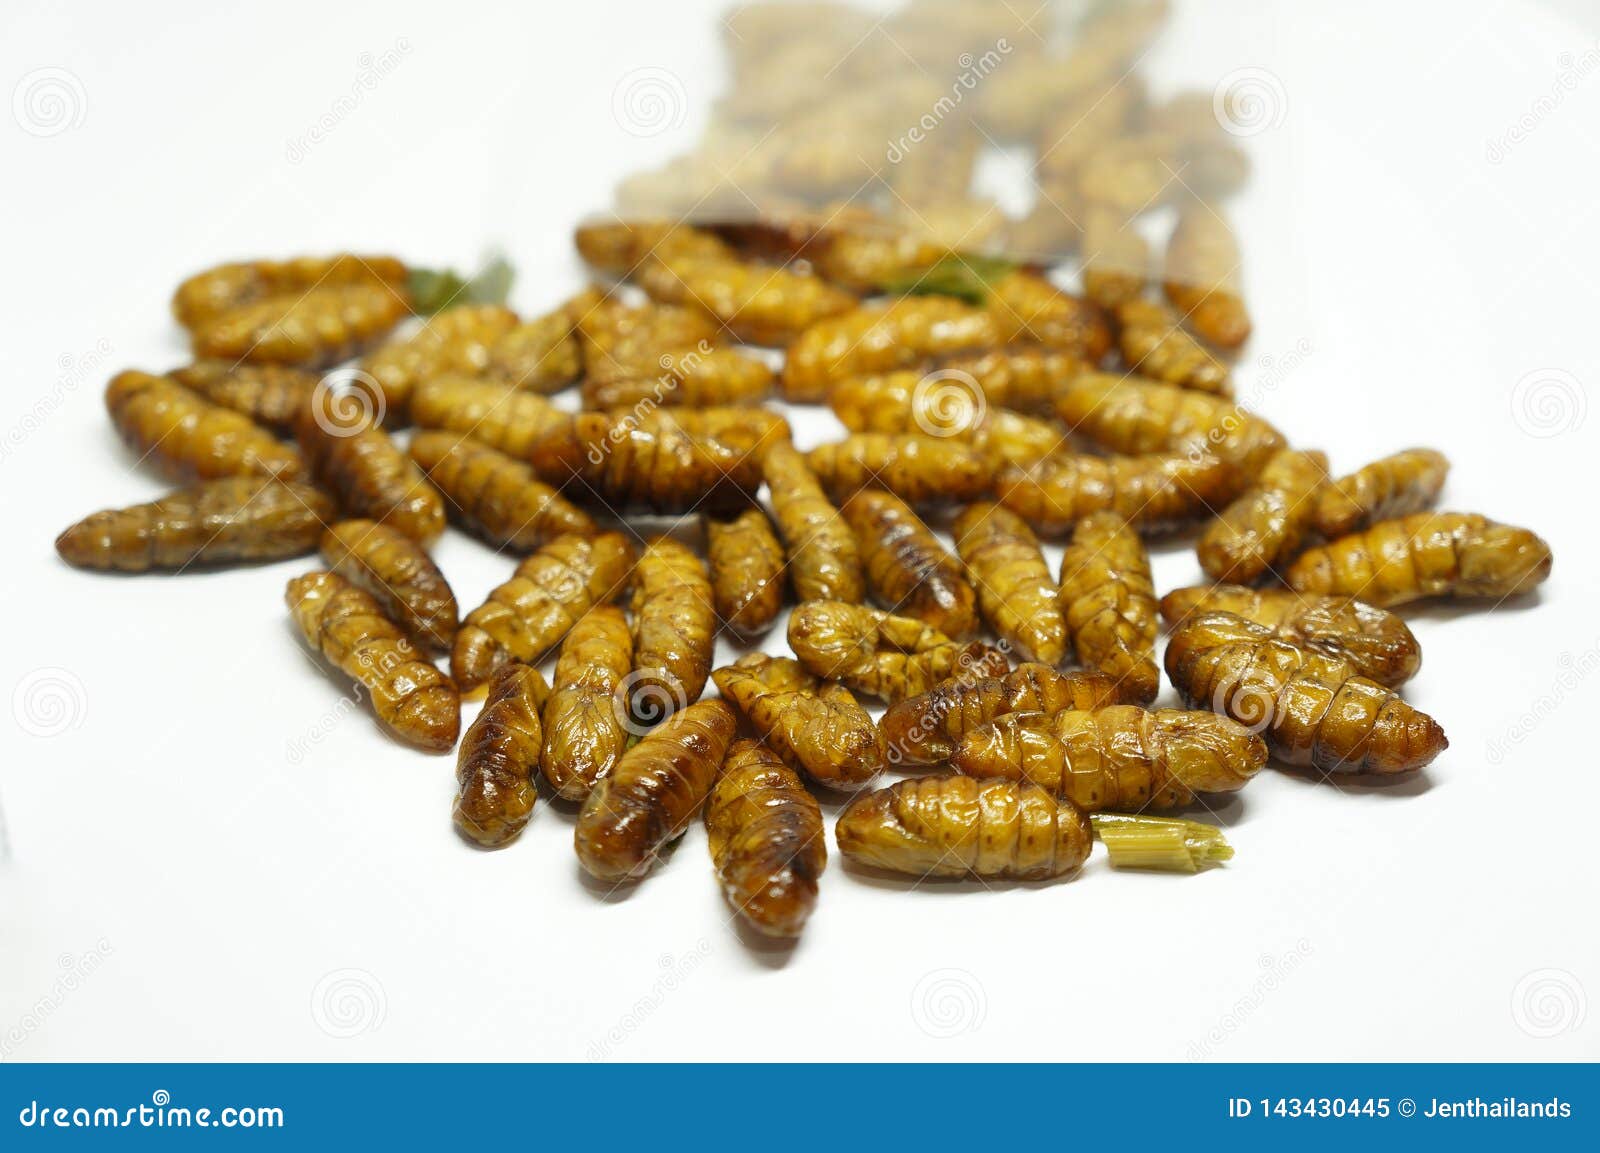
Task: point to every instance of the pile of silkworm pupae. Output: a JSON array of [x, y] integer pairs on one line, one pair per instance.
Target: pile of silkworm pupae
[[1005, 411]]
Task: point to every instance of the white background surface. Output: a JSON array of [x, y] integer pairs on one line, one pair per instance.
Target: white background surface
[[263, 875]]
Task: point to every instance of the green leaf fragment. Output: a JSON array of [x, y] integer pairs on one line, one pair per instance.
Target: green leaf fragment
[[968, 278], [433, 290], [1167, 844]]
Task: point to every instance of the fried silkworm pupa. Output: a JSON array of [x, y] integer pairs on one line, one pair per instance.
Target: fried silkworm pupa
[[1015, 593], [822, 730], [507, 419], [1313, 709], [1083, 123], [1019, 104], [943, 404], [1109, 601], [1212, 165], [622, 342], [315, 328], [413, 701], [918, 469], [678, 264], [1375, 640], [366, 471], [759, 303], [826, 164], [618, 246], [939, 180], [1216, 169], [1202, 276], [400, 576], [824, 562], [238, 518], [883, 655], [1050, 232], [1029, 308], [883, 338], [866, 259], [907, 568], [894, 402], [665, 355], [1427, 554], [755, 33], [495, 497], [656, 789], [750, 432], [455, 341], [907, 251], [495, 793], [746, 570], [311, 310], [188, 438], [1016, 439], [1155, 493], [1116, 261], [1265, 525], [584, 733], [693, 377], [765, 834], [215, 291], [1018, 376], [1394, 486], [646, 460], [1154, 342], [543, 354], [674, 628], [1131, 173], [954, 826], [923, 729], [269, 394], [1135, 416], [528, 616], [1118, 757]]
